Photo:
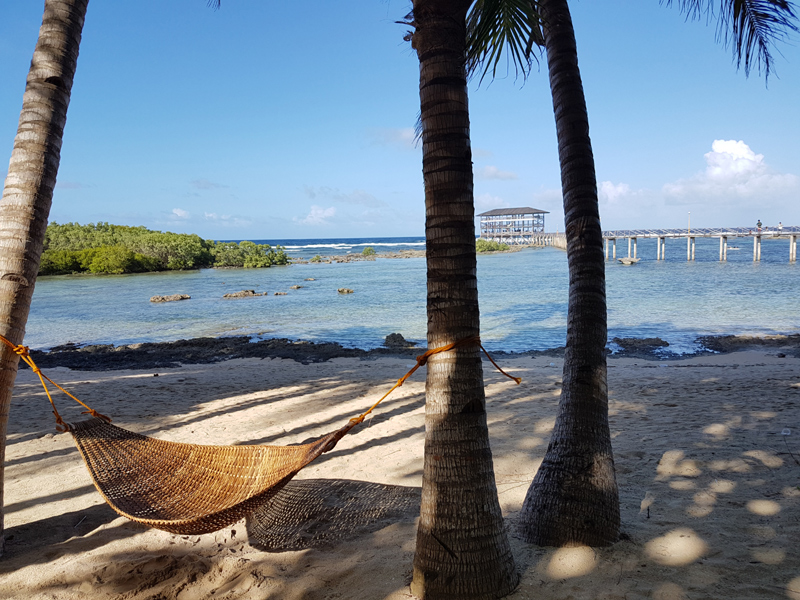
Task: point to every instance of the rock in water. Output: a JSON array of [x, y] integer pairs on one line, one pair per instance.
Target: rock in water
[[345, 291], [243, 294], [396, 340], [628, 260], [171, 298]]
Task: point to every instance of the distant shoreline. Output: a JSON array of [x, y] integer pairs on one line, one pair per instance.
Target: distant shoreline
[[164, 355]]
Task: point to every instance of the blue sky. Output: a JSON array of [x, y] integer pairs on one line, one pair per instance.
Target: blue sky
[[269, 120]]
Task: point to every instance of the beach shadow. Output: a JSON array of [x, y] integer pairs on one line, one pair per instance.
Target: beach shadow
[[69, 533], [320, 513]]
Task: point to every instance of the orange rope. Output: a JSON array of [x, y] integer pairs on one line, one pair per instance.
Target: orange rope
[[24, 353], [422, 359]]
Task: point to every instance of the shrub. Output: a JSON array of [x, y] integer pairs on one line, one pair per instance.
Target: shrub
[[60, 262], [368, 251], [316, 259], [482, 245]]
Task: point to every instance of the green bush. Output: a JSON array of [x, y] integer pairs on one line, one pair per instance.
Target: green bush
[[316, 259], [247, 254], [482, 245], [117, 260], [106, 248], [60, 262], [368, 251]]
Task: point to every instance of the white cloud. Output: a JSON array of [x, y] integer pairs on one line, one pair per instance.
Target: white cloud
[[486, 202], [734, 174], [612, 193], [227, 220], [490, 172], [179, 213], [317, 216]]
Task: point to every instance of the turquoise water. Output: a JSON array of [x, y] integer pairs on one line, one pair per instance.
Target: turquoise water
[[523, 298]]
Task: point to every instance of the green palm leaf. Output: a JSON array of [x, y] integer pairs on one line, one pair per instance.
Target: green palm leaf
[[494, 24], [752, 27]]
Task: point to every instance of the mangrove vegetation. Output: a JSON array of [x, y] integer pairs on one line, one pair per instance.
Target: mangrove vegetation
[[106, 248]]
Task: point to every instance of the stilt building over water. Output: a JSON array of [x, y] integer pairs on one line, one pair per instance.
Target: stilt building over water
[[519, 225]]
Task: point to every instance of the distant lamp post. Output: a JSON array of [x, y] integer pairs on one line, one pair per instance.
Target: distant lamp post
[[690, 223]]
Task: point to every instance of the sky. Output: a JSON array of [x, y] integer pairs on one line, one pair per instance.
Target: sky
[[292, 120]]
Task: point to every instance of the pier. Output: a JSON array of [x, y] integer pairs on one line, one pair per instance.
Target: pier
[[661, 235], [632, 237]]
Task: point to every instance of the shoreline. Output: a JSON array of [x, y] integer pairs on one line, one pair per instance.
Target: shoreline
[[207, 350]]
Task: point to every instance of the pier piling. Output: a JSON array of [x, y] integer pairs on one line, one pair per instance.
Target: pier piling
[[756, 248]]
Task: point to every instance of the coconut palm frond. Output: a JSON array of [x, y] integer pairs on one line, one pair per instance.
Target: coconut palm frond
[[754, 26], [493, 25], [751, 27]]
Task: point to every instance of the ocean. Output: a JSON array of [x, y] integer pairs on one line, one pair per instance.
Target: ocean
[[523, 298]]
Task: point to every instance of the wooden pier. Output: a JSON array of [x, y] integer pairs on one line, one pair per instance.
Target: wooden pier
[[661, 236], [559, 240]]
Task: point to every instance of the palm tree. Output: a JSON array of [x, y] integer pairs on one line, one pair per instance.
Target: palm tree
[[573, 497], [28, 191], [462, 548]]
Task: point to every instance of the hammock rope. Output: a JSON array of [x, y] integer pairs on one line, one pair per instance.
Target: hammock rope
[[191, 489]]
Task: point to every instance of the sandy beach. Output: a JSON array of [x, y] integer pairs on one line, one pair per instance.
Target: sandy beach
[[708, 482]]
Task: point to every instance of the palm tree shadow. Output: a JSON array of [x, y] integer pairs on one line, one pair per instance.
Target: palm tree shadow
[[320, 513], [67, 533]]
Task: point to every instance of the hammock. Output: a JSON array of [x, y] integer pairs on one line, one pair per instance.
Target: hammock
[[191, 489]]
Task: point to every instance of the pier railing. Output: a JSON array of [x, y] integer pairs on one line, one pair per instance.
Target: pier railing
[[610, 238], [661, 235]]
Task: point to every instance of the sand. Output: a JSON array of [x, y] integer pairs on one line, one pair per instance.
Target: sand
[[708, 483]]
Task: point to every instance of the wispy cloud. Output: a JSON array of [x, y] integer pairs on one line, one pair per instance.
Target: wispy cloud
[[71, 185], [227, 220], [358, 197], [404, 138], [486, 202], [317, 216], [490, 172], [179, 213], [205, 184]]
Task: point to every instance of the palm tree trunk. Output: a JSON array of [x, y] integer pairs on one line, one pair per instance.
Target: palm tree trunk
[[462, 548], [28, 191], [573, 497]]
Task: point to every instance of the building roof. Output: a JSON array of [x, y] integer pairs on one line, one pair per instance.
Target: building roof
[[523, 210]]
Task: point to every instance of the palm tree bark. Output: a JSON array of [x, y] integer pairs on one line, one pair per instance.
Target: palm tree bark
[[574, 498], [462, 548], [28, 191]]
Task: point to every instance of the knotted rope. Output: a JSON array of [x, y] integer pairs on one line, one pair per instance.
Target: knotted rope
[[422, 359], [24, 353]]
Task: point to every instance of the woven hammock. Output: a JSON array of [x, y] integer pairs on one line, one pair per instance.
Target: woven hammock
[[187, 489], [190, 488]]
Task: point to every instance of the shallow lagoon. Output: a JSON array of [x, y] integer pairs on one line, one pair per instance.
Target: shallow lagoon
[[523, 299]]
